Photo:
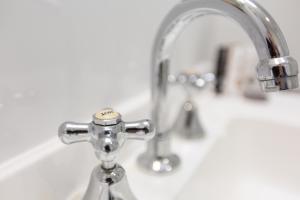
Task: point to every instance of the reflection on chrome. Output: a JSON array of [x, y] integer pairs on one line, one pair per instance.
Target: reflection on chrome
[[276, 70]]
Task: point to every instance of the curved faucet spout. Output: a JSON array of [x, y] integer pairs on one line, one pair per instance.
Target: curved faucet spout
[[260, 26], [276, 69]]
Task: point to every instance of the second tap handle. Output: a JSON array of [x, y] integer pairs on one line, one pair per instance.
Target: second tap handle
[[139, 130], [72, 132]]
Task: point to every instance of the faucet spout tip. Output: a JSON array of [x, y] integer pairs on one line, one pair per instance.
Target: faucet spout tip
[[278, 74], [279, 84]]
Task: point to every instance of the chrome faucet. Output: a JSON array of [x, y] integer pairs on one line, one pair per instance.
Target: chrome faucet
[[107, 133], [276, 70], [188, 124]]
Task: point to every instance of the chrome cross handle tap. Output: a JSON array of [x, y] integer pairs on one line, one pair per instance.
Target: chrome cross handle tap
[[107, 133]]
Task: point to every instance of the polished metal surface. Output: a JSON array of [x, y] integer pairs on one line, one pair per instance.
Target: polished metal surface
[[108, 184], [192, 80], [107, 133], [278, 74], [188, 124], [276, 69]]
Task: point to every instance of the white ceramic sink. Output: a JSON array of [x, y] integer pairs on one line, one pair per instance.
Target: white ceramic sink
[[251, 151], [255, 160]]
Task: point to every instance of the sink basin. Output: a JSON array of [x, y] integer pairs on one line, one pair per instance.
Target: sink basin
[[255, 160], [251, 151]]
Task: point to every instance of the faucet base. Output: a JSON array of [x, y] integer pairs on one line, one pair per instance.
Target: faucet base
[[108, 184], [158, 164], [188, 124]]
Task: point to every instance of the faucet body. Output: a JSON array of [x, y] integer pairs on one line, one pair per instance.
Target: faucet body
[[276, 69], [108, 184]]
